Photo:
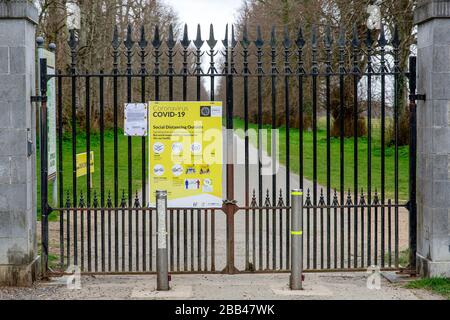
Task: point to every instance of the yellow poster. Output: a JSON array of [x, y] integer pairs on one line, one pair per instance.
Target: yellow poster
[[185, 152], [82, 164]]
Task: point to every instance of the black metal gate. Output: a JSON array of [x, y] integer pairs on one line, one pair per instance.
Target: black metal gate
[[353, 215]]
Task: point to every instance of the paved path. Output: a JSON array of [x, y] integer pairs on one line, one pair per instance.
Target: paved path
[[333, 286]]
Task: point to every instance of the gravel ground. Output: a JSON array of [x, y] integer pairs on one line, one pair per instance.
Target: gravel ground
[[318, 286]]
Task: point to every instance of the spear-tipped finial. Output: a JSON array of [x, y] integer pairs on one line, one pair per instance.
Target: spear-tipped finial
[[369, 40], [95, 202], [300, 42], [245, 42], [341, 40], [273, 40], [185, 42], [396, 38], [225, 39], [73, 40], [382, 42], [211, 41], [287, 40], [68, 202], [355, 37], [109, 200], [142, 41], [170, 40], [259, 41], [314, 36], [198, 40], [115, 41], [328, 39], [129, 39], [233, 38], [156, 42]]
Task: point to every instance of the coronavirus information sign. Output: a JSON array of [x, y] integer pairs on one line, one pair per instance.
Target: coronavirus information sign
[[185, 153]]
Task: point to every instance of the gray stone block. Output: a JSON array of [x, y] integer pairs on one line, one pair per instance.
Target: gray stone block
[[14, 197], [5, 111], [441, 247], [13, 142], [428, 268], [441, 111], [441, 36], [441, 58], [441, 194], [20, 170], [20, 114], [440, 164], [441, 140], [5, 224], [440, 84], [4, 60], [5, 170], [18, 64], [13, 33], [12, 87]]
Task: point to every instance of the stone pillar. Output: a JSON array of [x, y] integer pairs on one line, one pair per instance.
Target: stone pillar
[[18, 248], [433, 138]]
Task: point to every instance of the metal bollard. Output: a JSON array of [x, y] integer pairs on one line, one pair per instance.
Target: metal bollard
[[162, 263], [296, 239]]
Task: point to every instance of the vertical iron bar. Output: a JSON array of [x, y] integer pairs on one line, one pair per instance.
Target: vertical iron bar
[[74, 158], [369, 43], [245, 43], [60, 170], [342, 135], [356, 76], [273, 78], [44, 165], [143, 44], [213, 241], [412, 165], [102, 163], [115, 115], [129, 45], [382, 42], [88, 171], [315, 72], [328, 42]]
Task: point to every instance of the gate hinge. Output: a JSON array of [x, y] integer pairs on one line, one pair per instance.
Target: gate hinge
[[36, 98], [408, 205], [421, 97], [49, 210]]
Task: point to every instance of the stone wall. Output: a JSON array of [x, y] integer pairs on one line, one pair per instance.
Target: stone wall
[[18, 249]]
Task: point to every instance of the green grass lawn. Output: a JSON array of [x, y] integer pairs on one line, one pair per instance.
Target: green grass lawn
[[348, 158], [440, 286], [109, 165]]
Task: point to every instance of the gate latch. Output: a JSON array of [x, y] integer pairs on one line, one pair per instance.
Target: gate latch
[[421, 97]]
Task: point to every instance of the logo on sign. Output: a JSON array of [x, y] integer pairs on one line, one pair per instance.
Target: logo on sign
[[205, 111]]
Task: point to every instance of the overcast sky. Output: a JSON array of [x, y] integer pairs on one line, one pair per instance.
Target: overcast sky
[[205, 12]]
